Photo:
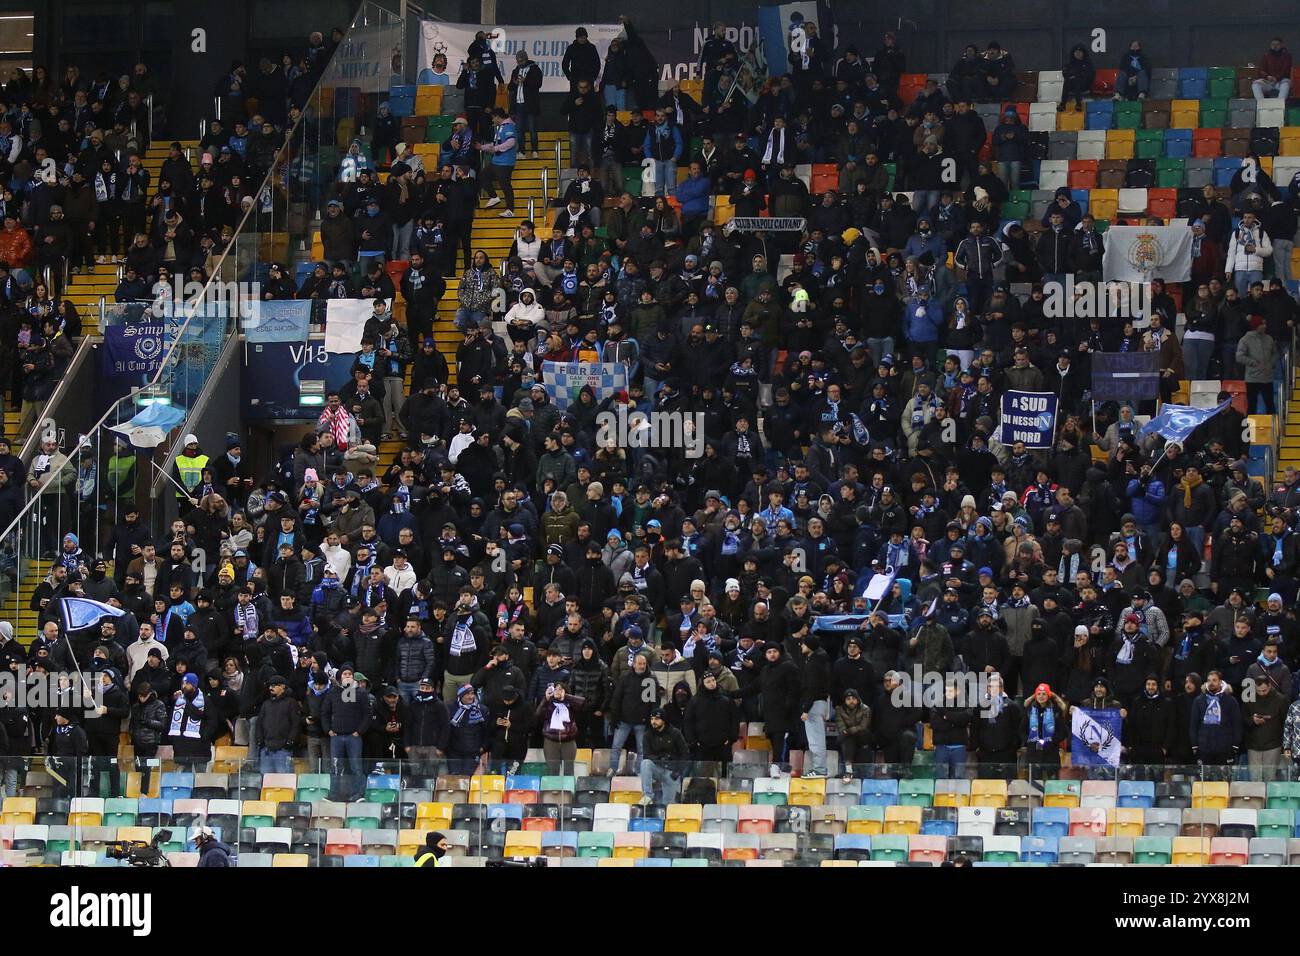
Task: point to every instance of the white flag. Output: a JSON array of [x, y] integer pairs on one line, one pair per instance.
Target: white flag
[[345, 320], [1091, 732], [1143, 253]]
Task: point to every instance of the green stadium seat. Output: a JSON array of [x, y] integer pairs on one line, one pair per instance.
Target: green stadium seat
[[1153, 850]]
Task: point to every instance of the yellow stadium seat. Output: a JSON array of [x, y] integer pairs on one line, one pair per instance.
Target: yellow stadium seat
[[1210, 795], [734, 797], [988, 793], [683, 818], [411, 842], [807, 792], [433, 816], [18, 810], [290, 860], [1126, 822], [903, 820], [487, 788], [521, 843], [1103, 203], [1069, 121], [1191, 851], [625, 790]]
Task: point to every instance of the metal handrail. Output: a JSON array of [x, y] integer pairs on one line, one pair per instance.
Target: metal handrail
[[559, 163], [84, 348]]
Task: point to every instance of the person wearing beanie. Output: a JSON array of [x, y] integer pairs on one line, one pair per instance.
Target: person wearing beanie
[[815, 704], [435, 848], [232, 473], [780, 688], [1046, 725], [279, 721], [1148, 723], [345, 716], [663, 761], [190, 746], [1129, 659], [1257, 355], [1216, 725], [1263, 719]]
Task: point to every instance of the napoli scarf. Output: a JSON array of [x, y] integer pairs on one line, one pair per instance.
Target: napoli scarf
[[462, 636], [1042, 726], [192, 726], [468, 713]]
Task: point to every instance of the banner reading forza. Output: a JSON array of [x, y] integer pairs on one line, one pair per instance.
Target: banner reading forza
[[1029, 417]]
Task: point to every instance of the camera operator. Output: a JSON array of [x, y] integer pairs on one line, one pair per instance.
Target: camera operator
[[212, 852]]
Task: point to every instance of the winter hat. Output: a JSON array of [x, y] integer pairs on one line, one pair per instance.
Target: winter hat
[[233, 441], [732, 585], [191, 679], [633, 633]]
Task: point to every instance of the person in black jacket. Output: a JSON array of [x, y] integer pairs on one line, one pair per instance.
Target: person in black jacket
[[663, 761], [779, 685], [424, 733], [814, 701], [148, 723], [1148, 726], [496, 675], [589, 679], [894, 721], [345, 717], [65, 749], [984, 648], [278, 722], [995, 731], [950, 726], [103, 729], [525, 89], [511, 720], [853, 670], [712, 723]]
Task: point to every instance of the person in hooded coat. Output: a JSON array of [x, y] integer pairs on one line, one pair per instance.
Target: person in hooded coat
[[778, 684], [712, 723], [589, 678], [1148, 726]]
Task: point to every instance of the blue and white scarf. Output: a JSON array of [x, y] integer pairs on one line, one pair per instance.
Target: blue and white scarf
[[192, 726]]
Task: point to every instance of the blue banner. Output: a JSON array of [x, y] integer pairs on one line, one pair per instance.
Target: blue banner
[[135, 350], [1029, 417], [1096, 737], [1175, 423], [1125, 376], [81, 613], [780, 29], [839, 623], [278, 321]]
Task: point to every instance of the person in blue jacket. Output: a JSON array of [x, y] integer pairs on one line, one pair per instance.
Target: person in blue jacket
[[693, 193], [664, 145], [1010, 147], [1146, 495]]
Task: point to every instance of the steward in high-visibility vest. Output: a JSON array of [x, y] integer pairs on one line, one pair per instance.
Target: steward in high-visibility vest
[[435, 849], [189, 467]]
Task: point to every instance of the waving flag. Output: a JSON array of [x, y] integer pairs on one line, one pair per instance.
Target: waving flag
[[148, 427], [1176, 422], [81, 613]]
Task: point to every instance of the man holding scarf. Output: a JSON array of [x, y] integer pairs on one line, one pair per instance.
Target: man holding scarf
[[466, 645], [185, 730]]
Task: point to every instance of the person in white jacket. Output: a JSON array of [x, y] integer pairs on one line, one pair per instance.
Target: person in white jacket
[[1249, 247], [526, 318]]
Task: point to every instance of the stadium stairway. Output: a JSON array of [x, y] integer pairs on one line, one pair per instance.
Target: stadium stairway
[[494, 235], [1288, 453], [16, 607]]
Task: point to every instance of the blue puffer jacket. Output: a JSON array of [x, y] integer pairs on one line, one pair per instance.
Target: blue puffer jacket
[[693, 194], [1147, 505], [922, 320]]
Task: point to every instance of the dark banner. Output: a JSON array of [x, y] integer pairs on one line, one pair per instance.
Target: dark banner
[[274, 371], [1125, 376]]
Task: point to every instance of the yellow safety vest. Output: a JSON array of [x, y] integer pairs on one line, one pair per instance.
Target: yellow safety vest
[[191, 469], [427, 859]]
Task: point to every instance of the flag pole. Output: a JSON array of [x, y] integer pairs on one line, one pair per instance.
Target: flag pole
[[179, 487]]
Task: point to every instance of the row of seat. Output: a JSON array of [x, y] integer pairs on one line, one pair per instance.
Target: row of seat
[[1154, 114], [1167, 83], [701, 849], [490, 789], [319, 822]]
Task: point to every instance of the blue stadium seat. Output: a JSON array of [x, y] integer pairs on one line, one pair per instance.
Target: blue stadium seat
[[1038, 849], [1178, 143], [879, 793], [1051, 822], [1136, 793]]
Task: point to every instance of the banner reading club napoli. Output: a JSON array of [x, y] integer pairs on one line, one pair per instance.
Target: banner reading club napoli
[[1100, 728], [545, 44], [564, 380], [1029, 417], [1143, 253]]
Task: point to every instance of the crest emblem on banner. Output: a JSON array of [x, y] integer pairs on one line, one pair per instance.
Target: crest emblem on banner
[[1144, 252]]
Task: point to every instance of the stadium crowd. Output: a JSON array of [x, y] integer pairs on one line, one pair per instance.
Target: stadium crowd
[[367, 609]]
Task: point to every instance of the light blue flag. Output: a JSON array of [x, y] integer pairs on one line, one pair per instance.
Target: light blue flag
[[1175, 423], [285, 320], [81, 613]]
